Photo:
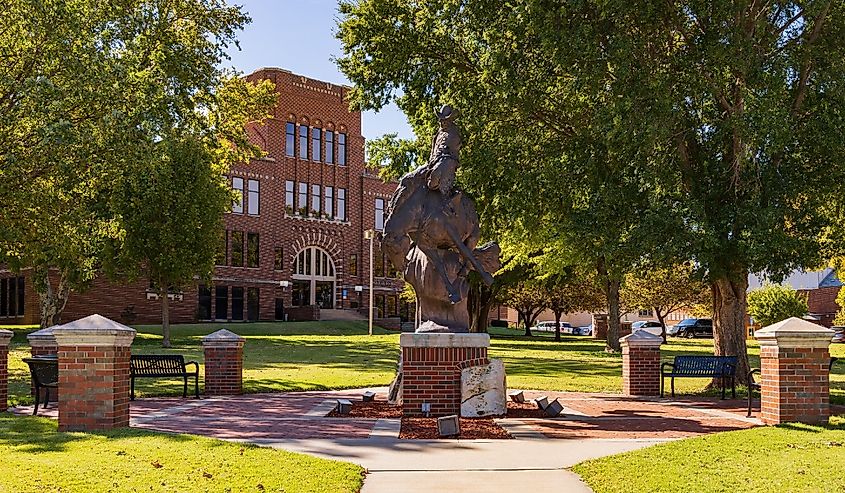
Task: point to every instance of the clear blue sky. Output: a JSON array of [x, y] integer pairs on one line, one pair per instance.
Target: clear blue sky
[[299, 36]]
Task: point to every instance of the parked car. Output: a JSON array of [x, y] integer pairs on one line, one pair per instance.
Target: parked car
[[549, 326], [648, 326], [839, 336], [693, 327], [585, 330]]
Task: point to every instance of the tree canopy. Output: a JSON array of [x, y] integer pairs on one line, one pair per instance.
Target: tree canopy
[[775, 302]]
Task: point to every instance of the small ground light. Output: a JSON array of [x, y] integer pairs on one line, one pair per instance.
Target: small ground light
[[448, 426], [344, 406], [368, 396], [542, 402], [425, 408], [517, 396], [553, 409]]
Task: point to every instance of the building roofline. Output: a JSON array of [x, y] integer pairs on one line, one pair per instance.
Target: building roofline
[[285, 71]]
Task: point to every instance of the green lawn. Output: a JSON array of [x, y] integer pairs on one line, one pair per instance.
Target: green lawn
[[35, 457], [791, 458]]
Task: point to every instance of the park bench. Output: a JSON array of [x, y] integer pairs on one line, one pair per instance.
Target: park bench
[[45, 375], [162, 366], [752, 385], [689, 366]]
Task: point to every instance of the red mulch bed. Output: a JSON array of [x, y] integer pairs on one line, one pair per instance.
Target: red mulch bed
[[524, 410], [471, 429], [372, 409]]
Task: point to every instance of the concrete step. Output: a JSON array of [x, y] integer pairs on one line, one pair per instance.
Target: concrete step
[[341, 315]]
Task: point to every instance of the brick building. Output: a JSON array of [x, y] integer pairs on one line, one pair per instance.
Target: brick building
[[296, 239]]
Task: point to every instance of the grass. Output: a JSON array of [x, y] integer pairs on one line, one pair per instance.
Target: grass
[[789, 458], [38, 458]]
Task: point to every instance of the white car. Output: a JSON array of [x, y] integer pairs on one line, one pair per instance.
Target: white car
[[649, 326], [549, 326]]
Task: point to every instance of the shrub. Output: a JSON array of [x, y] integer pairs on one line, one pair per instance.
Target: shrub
[[774, 302]]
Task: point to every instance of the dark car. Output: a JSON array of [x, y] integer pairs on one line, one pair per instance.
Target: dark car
[[694, 327]]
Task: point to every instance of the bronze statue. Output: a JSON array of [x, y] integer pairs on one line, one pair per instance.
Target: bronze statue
[[431, 233]]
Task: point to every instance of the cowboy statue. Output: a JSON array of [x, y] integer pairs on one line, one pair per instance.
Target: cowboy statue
[[431, 233]]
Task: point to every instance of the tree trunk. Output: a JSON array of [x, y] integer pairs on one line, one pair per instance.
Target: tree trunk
[[479, 302], [51, 301], [165, 319], [661, 318], [729, 318], [557, 326], [613, 316]]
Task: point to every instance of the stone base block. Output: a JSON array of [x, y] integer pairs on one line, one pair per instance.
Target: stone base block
[[431, 370], [483, 390]]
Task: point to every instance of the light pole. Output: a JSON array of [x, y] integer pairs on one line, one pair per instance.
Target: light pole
[[371, 235]]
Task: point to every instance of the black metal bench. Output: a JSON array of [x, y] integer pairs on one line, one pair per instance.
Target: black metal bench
[[45, 375], [688, 366], [162, 366], [752, 385]]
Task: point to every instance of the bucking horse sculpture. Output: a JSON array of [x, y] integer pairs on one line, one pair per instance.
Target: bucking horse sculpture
[[431, 234]]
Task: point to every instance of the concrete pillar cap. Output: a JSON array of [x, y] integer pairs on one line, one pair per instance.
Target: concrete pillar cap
[[444, 339], [223, 337], [641, 338], [42, 337], [794, 332], [94, 330], [5, 337]]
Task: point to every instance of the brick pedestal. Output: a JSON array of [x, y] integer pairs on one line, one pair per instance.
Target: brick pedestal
[[431, 369], [42, 343], [641, 364], [794, 372], [224, 363], [93, 374], [599, 326], [5, 340]]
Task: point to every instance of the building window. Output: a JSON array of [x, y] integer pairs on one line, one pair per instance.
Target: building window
[[4, 297], [303, 142], [392, 304], [646, 313], [379, 214], [353, 265], [329, 147], [252, 250], [277, 258], [289, 195], [204, 302], [252, 197], [237, 303], [238, 186], [378, 262], [290, 130], [379, 305], [341, 204], [303, 198], [222, 248], [12, 297], [316, 135], [237, 248], [328, 202], [221, 302], [341, 149], [252, 297], [315, 199]]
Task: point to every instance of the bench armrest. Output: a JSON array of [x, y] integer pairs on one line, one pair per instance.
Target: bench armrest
[[664, 365], [751, 373], [196, 365], [731, 370]]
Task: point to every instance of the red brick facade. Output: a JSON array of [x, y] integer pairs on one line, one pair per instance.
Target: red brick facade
[[94, 383], [433, 375], [641, 364], [821, 303], [265, 291], [224, 363], [795, 385], [5, 340]]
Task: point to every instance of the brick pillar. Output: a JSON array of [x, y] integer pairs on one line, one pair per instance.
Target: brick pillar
[[641, 364], [42, 343], [5, 340], [93, 374], [224, 363], [794, 370], [431, 369], [599, 326]]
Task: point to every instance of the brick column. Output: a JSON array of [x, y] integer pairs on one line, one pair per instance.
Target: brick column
[[42, 343], [431, 369], [93, 374], [224, 363], [599, 326], [641, 364], [794, 370], [5, 340]]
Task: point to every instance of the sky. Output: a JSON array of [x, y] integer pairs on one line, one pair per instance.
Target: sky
[[300, 36]]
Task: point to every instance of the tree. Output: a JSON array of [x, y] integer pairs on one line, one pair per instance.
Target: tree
[[775, 302], [569, 293], [724, 112], [665, 290], [528, 299], [90, 87], [394, 156]]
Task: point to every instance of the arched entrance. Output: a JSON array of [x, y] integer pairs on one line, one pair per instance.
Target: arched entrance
[[313, 278]]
